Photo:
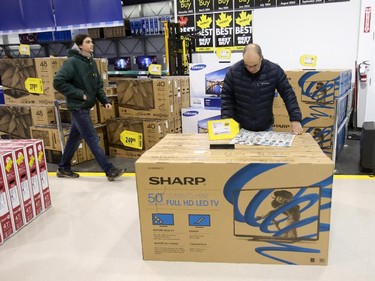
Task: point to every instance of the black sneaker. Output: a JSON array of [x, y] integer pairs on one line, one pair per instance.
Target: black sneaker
[[115, 173], [66, 174]]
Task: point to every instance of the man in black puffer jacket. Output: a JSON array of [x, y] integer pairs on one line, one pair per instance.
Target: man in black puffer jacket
[[249, 90]]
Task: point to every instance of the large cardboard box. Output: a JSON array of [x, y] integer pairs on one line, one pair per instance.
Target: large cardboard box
[[194, 119], [22, 177], [15, 120], [320, 86], [152, 130], [145, 98], [12, 187], [6, 226], [17, 71], [43, 115], [245, 205]]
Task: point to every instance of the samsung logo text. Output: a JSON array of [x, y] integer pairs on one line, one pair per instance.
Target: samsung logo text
[[198, 67]]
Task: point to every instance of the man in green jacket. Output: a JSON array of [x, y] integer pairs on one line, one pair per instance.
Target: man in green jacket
[[80, 82]]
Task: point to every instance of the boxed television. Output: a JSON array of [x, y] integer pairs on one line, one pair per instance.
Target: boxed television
[[251, 204]]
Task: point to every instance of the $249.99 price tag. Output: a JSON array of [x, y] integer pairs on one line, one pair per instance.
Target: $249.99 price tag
[[132, 139]]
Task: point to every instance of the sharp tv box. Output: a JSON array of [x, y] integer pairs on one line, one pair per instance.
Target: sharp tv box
[[144, 62], [279, 214]]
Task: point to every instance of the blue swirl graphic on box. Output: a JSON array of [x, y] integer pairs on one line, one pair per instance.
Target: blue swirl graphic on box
[[235, 185], [318, 91]]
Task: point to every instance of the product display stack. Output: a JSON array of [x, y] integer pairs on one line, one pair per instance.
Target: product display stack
[[324, 97], [269, 203], [24, 185]]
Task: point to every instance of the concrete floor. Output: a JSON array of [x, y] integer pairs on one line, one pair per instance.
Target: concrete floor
[[92, 232]]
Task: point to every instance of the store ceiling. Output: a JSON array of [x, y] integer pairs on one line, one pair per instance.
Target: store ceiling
[[135, 2]]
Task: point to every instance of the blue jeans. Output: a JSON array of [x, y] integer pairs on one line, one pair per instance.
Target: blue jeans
[[82, 127]]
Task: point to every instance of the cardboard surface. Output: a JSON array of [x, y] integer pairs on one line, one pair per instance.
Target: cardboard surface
[[197, 204]]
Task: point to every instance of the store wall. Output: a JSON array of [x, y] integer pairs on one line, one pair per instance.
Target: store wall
[[366, 47], [328, 31]]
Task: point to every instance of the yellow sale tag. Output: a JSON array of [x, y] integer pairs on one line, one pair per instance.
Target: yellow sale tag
[[155, 69], [223, 53], [34, 85], [132, 139], [308, 60], [222, 129], [24, 49]]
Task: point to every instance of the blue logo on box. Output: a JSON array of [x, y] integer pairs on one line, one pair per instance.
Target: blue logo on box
[[198, 67], [162, 219], [190, 113], [199, 220]]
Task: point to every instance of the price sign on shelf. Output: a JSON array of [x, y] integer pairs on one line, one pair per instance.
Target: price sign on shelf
[[132, 139], [34, 85], [222, 129], [24, 49]]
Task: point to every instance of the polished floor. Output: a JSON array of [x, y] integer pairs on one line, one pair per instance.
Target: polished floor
[[92, 233]]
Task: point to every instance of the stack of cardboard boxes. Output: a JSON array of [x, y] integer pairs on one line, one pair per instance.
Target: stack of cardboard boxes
[[324, 97], [24, 185], [149, 106], [32, 114]]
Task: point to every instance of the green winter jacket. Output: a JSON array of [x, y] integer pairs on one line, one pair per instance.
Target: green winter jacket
[[79, 76]]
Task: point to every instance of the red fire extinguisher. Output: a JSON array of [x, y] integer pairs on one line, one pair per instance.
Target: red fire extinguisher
[[363, 68]]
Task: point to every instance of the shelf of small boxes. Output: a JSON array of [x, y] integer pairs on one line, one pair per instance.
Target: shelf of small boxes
[[24, 185]]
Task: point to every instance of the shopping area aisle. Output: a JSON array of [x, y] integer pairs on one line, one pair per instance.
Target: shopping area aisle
[[92, 233]]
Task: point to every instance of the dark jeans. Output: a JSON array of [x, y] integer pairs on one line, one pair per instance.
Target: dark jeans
[[82, 127]]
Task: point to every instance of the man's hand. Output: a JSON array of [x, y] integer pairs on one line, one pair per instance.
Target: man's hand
[[296, 128], [108, 106]]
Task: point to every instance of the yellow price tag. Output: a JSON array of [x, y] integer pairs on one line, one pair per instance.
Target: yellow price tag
[[24, 49], [132, 139], [155, 69], [34, 85], [308, 60], [223, 53], [222, 129]]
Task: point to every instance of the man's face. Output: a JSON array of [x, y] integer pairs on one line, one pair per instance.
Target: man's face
[[252, 62], [87, 45]]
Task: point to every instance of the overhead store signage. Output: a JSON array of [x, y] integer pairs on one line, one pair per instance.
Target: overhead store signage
[[52, 15], [209, 20], [85, 13], [204, 42], [243, 29], [185, 7], [224, 29], [203, 6], [21, 17]]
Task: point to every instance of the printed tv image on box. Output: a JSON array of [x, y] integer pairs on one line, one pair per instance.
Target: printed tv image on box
[[278, 214], [214, 81]]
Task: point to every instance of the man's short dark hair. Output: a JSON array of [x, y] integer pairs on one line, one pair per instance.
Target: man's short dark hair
[[78, 39]]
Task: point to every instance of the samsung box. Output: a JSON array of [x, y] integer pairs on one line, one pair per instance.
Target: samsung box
[[251, 204]]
